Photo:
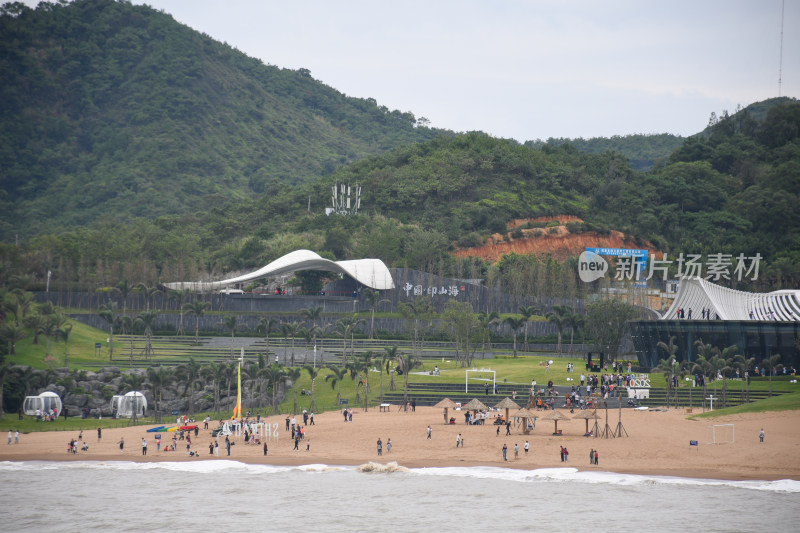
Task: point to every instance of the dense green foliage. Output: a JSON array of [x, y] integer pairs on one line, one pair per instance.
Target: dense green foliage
[[110, 109], [643, 151], [134, 148]]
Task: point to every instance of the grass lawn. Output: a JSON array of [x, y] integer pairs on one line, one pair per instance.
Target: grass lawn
[[784, 402]]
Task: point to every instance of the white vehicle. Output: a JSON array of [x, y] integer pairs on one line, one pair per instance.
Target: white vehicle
[[231, 291]]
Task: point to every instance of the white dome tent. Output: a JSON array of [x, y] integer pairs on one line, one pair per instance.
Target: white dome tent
[[125, 405], [45, 403]]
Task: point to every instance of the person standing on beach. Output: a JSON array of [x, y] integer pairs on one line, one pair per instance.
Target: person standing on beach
[[10, 434], [380, 446], [505, 450], [526, 447], [144, 446], [595, 457], [228, 445], [458, 440], [516, 451], [388, 445], [311, 419], [121, 443], [429, 433], [760, 435], [99, 433], [562, 454], [210, 448], [216, 448], [591, 456], [566, 454]]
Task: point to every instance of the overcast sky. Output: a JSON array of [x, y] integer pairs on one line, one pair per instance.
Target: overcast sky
[[525, 69]]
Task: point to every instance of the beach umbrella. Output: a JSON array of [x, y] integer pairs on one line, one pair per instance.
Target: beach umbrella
[[446, 404], [587, 415], [525, 414], [475, 405], [555, 416], [507, 403]]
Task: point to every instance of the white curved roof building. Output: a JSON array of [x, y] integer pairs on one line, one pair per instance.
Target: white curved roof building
[[729, 304], [370, 272]]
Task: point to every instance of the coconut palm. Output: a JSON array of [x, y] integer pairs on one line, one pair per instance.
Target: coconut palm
[[528, 312], [772, 363], [149, 293], [558, 316], [107, 313], [373, 298], [275, 374], [196, 308], [217, 373], [344, 328], [313, 372], [266, 326], [405, 364], [6, 370], [158, 378], [291, 330], [12, 334], [293, 374], [123, 289], [179, 296], [486, 320], [146, 320], [515, 322], [669, 365], [744, 365], [416, 310], [190, 374], [35, 323], [64, 332], [389, 354], [335, 377], [230, 322], [575, 321]]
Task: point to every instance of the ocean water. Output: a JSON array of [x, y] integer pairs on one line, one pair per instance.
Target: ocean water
[[233, 496]]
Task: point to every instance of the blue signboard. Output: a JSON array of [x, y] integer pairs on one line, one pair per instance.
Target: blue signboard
[[640, 255]]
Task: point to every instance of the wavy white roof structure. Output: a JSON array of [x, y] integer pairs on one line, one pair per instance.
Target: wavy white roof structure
[[370, 272], [729, 304]]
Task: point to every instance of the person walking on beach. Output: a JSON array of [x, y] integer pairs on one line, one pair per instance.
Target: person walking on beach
[[595, 457], [380, 446], [562, 454], [526, 447], [591, 456], [121, 443], [508, 427], [216, 448], [429, 433], [566, 454], [516, 451], [228, 445], [388, 445], [458, 440], [10, 434], [296, 441], [505, 450], [311, 419], [144, 446], [99, 433], [760, 435]]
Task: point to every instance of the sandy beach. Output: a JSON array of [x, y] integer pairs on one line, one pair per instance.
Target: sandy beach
[[657, 444]]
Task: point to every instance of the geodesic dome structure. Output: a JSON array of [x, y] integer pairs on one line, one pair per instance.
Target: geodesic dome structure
[[45, 403], [125, 405]]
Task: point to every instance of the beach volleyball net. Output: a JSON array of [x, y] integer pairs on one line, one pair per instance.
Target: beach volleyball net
[[721, 434]]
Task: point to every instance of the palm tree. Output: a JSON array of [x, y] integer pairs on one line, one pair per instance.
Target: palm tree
[[12, 334], [486, 321], [406, 363], [6, 370], [669, 365], [36, 323], [123, 289], [771, 363], [275, 375], [417, 310], [149, 293], [107, 312], [146, 321], [363, 363], [373, 297], [28, 378], [313, 372], [293, 374], [558, 316], [528, 312], [515, 323], [389, 354], [253, 373], [335, 377], [575, 321], [64, 334], [230, 323], [267, 325], [744, 365], [158, 377], [726, 366], [179, 296], [217, 373], [344, 327], [196, 308], [190, 374], [291, 330]]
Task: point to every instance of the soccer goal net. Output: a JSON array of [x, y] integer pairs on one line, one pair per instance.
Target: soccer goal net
[[721, 434]]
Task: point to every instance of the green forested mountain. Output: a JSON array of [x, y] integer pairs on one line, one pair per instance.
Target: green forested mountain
[[110, 109], [643, 151]]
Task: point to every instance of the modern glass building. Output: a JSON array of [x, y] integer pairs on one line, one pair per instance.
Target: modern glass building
[[761, 325]]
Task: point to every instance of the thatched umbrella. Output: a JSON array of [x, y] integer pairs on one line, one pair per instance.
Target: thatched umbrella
[[475, 405], [524, 414], [447, 403], [586, 415], [555, 416], [507, 404]]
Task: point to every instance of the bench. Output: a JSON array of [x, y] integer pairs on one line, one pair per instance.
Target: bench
[[385, 407]]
